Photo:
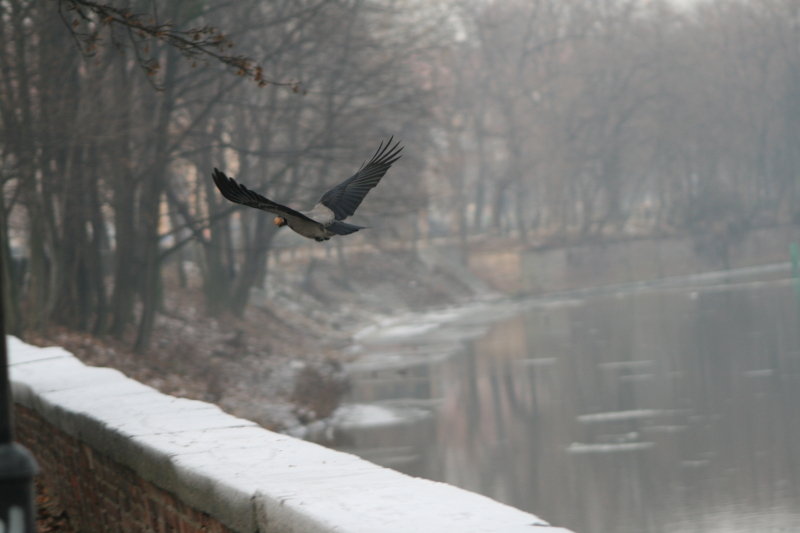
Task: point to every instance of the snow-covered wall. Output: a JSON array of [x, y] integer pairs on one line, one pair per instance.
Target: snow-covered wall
[[184, 463]]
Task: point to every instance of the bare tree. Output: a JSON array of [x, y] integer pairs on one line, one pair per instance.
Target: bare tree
[[89, 22]]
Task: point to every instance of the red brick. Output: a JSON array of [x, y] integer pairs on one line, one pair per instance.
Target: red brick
[[99, 494]]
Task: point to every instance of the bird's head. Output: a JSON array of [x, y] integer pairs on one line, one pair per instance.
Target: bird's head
[[279, 221]]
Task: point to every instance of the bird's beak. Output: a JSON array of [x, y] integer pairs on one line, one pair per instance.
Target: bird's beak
[[279, 221]]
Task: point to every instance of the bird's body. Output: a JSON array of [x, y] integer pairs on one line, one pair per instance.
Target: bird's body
[[326, 218]]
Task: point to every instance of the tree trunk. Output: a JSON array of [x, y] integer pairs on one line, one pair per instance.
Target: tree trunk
[[152, 191]]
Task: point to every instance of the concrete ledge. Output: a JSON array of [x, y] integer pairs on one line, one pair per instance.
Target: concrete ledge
[[248, 478]]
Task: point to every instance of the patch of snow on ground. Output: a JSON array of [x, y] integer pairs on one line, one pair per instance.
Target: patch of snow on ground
[[370, 415], [733, 519], [613, 416], [580, 447]]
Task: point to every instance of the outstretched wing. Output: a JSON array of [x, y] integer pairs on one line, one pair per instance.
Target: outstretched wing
[[345, 198], [238, 193]]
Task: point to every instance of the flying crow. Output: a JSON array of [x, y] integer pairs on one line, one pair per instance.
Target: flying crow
[[325, 219]]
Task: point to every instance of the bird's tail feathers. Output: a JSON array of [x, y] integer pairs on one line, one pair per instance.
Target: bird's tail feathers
[[343, 228]]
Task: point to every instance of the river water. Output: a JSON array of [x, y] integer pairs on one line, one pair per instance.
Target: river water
[[669, 410]]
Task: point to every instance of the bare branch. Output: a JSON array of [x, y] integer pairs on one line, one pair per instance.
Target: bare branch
[[87, 19]]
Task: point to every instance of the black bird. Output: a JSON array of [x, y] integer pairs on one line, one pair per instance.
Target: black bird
[[325, 219]]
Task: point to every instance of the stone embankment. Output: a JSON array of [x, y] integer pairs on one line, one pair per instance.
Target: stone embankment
[[124, 457]]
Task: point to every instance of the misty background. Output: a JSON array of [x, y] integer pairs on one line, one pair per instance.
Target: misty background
[[528, 125], [540, 122]]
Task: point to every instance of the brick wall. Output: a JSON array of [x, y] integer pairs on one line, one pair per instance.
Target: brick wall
[[98, 493], [121, 456]]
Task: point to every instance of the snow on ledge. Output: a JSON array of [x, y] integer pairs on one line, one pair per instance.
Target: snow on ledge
[[247, 477]]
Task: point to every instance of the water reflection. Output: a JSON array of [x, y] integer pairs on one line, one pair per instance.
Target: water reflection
[[660, 411]]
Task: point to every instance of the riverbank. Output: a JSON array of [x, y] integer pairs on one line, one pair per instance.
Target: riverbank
[[155, 462], [613, 387], [281, 364]]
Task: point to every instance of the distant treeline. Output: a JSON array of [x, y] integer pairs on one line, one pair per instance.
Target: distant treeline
[[583, 119], [540, 120]]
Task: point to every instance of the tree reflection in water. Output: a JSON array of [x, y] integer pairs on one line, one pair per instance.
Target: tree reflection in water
[[660, 411]]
